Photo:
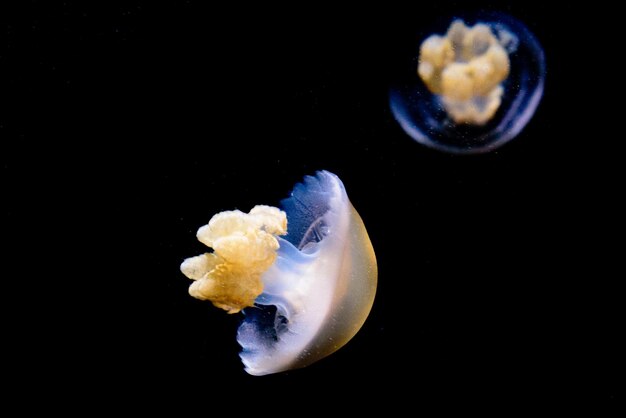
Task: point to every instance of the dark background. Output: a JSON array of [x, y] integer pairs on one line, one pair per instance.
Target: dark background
[[127, 125]]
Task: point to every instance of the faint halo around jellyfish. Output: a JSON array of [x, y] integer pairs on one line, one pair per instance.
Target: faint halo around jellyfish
[[433, 118]]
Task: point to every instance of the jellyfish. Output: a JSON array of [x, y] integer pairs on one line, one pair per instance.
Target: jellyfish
[[304, 276], [473, 88]]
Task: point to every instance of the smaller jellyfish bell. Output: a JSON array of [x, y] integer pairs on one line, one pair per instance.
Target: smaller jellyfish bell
[[475, 86], [305, 277]]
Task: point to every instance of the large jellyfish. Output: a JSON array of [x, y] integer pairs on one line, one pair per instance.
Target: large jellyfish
[[305, 277], [474, 87]]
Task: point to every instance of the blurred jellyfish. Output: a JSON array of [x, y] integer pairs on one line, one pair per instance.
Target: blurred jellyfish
[[304, 296], [474, 88]]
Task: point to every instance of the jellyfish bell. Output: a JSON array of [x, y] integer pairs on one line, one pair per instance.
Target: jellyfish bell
[[476, 85], [304, 277]]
